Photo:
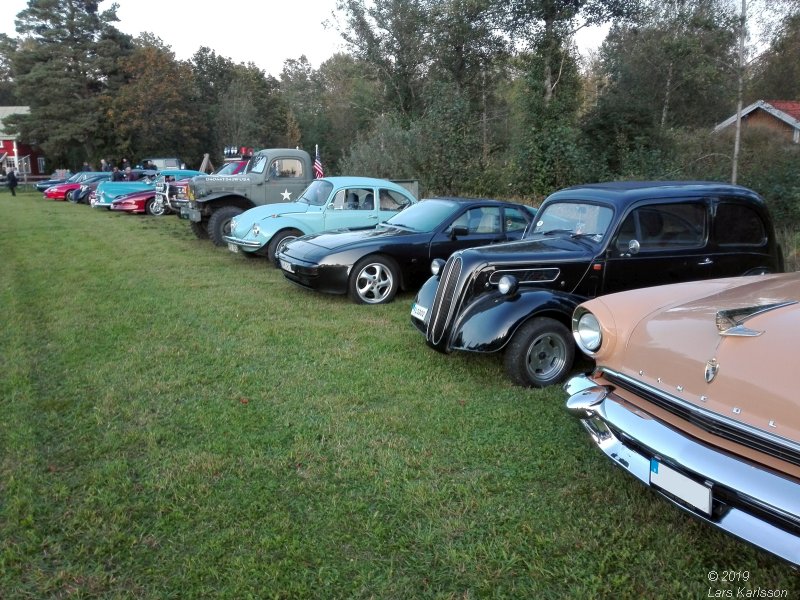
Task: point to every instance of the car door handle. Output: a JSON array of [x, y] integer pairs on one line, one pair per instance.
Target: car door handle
[[373, 216], [705, 262]]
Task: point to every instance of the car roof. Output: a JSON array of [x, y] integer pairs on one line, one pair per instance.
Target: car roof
[[348, 180], [486, 201], [622, 193]]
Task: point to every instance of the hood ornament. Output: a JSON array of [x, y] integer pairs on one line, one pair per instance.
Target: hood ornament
[[730, 322], [712, 368]]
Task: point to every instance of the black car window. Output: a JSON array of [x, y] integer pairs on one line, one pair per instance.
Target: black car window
[[664, 226], [480, 220], [515, 220], [738, 224]]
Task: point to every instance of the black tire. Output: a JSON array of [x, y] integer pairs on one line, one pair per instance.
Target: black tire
[[70, 196], [374, 280], [154, 209], [277, 241], [200, 230], [219, 224], [541, 353]]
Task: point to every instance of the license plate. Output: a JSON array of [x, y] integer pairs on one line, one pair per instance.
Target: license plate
[[418, 312], [233, 248], [677, 484], [286, 266]]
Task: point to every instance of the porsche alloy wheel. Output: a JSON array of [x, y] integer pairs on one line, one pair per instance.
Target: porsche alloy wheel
[[541, 353], [374, 280]]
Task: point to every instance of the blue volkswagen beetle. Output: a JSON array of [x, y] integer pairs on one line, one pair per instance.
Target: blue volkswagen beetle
[[328, 203]]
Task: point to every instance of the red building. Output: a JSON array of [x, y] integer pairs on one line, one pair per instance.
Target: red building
[[779, 116], [27, 159]]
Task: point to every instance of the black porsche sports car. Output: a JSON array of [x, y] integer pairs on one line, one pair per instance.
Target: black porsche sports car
[[372, 265]]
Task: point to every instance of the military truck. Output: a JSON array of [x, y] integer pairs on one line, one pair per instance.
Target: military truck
[[273, 175]]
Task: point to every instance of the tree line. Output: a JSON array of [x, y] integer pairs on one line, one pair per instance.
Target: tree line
[[470, 97]]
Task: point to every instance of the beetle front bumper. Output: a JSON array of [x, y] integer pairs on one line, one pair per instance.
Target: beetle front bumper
[[754, 504]]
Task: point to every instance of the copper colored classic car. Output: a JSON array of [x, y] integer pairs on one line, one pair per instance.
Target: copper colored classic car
[[694, 394]]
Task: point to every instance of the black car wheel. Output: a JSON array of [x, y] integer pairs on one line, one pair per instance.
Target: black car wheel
[[541, 353], [278, 241], [219, 224], [70, 196], [374, 280], [199, 229], [154, 208]]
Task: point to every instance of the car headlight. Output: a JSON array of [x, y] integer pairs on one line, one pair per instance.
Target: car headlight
[[586, 330], [436, 266], [233, 224], [508, 285], [256, 230]]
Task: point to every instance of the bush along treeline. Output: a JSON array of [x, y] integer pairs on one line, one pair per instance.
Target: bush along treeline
[[470, 97]]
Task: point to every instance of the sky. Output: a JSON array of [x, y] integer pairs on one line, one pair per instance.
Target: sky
[[265, 32]]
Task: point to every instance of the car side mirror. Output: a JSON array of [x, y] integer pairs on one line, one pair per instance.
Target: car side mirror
[[458, 231], [633, 247]]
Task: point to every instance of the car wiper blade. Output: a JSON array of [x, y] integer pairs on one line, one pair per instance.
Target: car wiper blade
[[557, 231], [583, 235]]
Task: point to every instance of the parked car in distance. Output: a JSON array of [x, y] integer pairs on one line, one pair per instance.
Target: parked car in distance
[[693, 396], [41, 186], [64, 191], [371, 266], [82, 194], [141, 202], [589, 240], [108, 191], [328, 203]]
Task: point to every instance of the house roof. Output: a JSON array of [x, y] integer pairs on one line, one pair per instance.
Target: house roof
[[10, 110], [787, 111]]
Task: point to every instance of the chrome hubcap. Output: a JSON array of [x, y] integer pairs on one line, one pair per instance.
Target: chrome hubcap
[[374, 283], [546, 356]]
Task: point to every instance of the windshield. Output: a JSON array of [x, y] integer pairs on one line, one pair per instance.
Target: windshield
[[317, 193], [575, 218], [424, 216], [227, 169]]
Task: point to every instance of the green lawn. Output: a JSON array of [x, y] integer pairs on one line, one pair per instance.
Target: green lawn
[[180, 422]]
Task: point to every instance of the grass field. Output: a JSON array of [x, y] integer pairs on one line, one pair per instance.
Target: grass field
[[180, 422]]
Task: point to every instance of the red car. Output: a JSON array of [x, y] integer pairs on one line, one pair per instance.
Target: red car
[[141, 202], [63, 191]]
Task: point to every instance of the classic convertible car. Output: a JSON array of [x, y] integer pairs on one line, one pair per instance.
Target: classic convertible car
[[692, 394], [107, 191], [328, 203], [517, 298], [371, 266]]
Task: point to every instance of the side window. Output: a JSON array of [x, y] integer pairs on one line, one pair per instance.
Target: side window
[[515, 220], [359, 199], [285, 168], [391, 200], [259, 164], [339, 200], [738, 224], [480, 220], [664, 226]]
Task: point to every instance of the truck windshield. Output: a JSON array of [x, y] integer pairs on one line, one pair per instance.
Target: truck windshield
[[317, 193], [574, 218]]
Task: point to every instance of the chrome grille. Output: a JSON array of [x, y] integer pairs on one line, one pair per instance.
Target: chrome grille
[[736, 433], [443, 303]]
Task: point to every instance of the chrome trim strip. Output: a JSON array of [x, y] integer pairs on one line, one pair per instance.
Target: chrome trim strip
[[616, 420], [707, 414], [730, 321], [494, 278], [240, 242]]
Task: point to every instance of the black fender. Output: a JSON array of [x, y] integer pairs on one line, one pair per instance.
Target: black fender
[[425, 297], [489, 323]]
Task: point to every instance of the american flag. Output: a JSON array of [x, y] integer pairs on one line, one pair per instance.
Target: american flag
[[318, 172]]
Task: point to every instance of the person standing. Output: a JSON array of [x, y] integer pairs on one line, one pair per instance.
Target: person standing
[[12, 181]]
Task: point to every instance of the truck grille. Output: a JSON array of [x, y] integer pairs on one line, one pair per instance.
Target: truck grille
[[444, 303]]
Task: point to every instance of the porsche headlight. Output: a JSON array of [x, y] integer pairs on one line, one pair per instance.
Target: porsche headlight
[[586, 330], [436, 266]]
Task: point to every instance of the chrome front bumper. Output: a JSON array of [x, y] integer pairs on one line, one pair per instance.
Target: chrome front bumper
[[242, 243], [751, 503]]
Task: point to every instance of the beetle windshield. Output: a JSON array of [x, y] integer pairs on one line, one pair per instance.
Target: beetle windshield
[[424, 216], [574, 218], [317, 193]]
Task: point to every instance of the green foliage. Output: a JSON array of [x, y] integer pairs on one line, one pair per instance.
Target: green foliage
[[777, 71]]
